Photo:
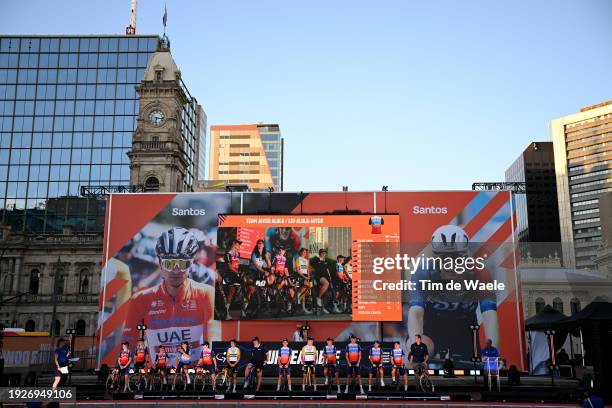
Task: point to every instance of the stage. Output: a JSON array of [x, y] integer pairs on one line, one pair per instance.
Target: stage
[[460, 391]]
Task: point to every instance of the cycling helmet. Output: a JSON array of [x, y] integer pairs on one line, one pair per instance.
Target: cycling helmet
[[449, 239], [176, 243]]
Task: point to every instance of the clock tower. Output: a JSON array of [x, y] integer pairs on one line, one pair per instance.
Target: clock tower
[[157, 161]]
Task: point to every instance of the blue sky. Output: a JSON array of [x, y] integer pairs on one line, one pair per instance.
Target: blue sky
[[414, 95]]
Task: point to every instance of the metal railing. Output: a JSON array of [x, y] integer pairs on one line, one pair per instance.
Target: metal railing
[[102, 191]]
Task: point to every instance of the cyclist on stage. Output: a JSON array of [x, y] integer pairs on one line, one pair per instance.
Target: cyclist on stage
[[179, 308], [259, 358], [377, 366], [183, 362], [309, 359], [232, 356], [330, 367], [123, 364], [398, 367], [141, 357], [161, 363], [284, 364], [353, 358], [207, 362]]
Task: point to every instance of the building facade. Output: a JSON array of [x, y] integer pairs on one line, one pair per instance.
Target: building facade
[[247, 154], [583, 152], [37, 271], [68, 110], [537, 209]]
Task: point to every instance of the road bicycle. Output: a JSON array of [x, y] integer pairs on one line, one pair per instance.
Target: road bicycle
[[423, 382]]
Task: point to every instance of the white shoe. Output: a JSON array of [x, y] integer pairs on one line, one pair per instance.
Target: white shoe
[[324, 310], [278, 387], [339, 390], [336, 310], [228, 315], [303, 387], [304, 309], [289, 387], [382, 383], [346, 389], [326, 380], [319, 302], [361, 389], [405, 388], [369, 388], [315, 387]]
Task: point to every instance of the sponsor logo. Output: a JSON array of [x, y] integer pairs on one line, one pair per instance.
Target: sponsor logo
[[417, 209], [174, 321], [189, 304], [157, 303], [177, 212], [157, 312]]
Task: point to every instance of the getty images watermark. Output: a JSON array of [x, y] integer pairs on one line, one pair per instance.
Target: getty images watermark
[[434, 273]]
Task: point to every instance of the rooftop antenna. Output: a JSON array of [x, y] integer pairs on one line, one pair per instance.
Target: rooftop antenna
[[131, 28]]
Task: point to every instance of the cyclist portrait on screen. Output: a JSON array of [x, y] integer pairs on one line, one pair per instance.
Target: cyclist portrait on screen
[[178, 309], [444, 317]]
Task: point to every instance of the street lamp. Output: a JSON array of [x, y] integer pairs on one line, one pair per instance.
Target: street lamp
[[142, 328], [475, 328], [72, 341], [550, 334]]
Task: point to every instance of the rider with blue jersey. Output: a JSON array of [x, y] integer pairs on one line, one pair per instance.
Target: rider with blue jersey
[[445, 316]]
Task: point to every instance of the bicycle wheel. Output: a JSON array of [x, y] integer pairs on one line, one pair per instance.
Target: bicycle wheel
[[110, 383], [425, 384]]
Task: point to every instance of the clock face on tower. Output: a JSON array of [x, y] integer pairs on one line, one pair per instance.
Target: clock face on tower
[[157, 118]]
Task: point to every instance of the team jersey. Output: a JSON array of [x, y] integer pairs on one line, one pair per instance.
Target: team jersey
[[170, 321], [124, 357], [375, 355], [258, 259], [232, 355], [185, 358], [397, 356], [451, 311], [348, 270], [206, 356], [233, 259], [340, 270], [279, 264], [141, 354], [329, 352], [352, 351], [161, 359], [377, 222], [301, 265], [284, 355], [309, 353]]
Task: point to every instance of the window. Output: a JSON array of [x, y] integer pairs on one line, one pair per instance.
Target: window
[[558, 304], [152, 184], [34, 281], [80, 327], [575, 305], [539, 305], [84, 281], [30, 326]]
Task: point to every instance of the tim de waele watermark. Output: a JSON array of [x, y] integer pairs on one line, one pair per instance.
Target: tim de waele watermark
[[449, 264]]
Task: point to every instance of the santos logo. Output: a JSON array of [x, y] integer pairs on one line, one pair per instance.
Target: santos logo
[[188, 211], [429, 210]]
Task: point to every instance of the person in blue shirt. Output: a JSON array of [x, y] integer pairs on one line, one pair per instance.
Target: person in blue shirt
[[490, 356], [592, 401], [62, 355]]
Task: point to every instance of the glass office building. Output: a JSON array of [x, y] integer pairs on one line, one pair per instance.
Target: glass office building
[[273, 147], [68, 109]]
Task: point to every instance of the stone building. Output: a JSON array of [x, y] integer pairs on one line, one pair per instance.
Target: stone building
[[31, 265]]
